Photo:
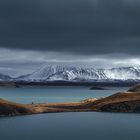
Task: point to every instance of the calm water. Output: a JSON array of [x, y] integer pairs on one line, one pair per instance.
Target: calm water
[[67, 126], [54, 94], [72, 126]]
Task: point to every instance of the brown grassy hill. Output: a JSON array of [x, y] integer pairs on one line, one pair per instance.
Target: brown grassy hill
[[120, 102], [8, 108], [135, 88]]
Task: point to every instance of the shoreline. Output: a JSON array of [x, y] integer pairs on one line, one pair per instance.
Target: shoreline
[[90, 84]]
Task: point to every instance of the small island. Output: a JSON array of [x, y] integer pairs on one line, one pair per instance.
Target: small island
[[97, 88], [128, 101]]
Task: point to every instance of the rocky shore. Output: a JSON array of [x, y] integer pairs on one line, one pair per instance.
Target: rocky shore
[[128, 101]]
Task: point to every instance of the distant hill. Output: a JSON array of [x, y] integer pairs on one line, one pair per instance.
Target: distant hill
[[4, 77]]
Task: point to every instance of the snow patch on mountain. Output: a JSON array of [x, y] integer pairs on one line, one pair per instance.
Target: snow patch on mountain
[[123, 73]]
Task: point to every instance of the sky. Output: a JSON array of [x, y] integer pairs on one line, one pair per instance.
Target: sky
[[89, 33]]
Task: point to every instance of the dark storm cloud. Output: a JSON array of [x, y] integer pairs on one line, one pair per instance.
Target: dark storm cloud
[[74, 26]]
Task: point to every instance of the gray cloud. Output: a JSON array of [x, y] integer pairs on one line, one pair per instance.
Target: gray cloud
[[18, 58], [18, 62], [76, 26]]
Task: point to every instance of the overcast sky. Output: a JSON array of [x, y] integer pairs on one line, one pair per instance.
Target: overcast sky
[[93, 33]]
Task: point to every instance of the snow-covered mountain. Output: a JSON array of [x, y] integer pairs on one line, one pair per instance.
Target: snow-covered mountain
[[4, 77], [53, 73]]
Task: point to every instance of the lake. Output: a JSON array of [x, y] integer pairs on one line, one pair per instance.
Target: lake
[[66, 126], [54, 94]]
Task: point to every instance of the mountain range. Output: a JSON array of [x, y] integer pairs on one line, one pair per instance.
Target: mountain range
[[76, 74]]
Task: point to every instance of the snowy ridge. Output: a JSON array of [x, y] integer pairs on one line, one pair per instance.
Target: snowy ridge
[[123, 73], [53, 73]]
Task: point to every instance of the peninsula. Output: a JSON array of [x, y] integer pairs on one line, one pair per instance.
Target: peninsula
[[128, 101]]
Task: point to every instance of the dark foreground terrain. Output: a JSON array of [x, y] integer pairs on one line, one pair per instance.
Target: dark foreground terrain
[[128, 101]]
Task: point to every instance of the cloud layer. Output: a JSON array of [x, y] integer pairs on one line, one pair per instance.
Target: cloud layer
[[76, 26], [35, 59], [93, 33]]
